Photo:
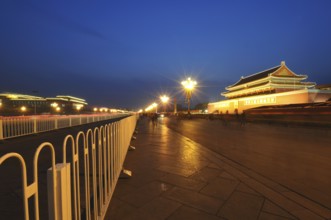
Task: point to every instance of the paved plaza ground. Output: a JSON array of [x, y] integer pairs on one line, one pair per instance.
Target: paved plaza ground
[[203, 169], [175, 177]]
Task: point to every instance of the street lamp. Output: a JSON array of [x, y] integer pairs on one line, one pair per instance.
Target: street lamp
[[154, 105], [164, 100], [55, 107], [151, 107], [79, 107], [189, 85], [23, 109]]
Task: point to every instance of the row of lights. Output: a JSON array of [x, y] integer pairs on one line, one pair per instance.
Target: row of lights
[[188, 86], [151, 107], [104, 109], [78, 107], [54, 105], [57, 107]]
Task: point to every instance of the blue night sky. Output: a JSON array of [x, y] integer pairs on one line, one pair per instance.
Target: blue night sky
[[127, 53]]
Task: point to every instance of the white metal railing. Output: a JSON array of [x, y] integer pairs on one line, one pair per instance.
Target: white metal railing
[[103, 148], [24, 125]]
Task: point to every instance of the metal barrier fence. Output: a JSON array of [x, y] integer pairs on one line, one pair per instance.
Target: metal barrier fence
[[24, 125], [103, 148]]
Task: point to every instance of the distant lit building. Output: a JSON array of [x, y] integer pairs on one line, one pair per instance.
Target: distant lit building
[[275, 86], [68, 104], [12, 103]]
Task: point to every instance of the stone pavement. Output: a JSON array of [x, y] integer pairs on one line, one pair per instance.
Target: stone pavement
[[177, 178]]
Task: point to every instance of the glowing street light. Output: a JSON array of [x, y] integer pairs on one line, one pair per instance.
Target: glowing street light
[[54, 105], [164, 100], [79, 107], [23, 109], [152, 106], [155, 106], [189, 86]]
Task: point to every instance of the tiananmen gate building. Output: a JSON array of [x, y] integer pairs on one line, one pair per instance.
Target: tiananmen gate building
[[275, 86]]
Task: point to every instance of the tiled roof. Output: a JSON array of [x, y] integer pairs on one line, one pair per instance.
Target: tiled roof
[[241, 89], [255, 76]]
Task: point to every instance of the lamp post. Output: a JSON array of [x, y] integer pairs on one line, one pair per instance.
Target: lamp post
[[188, 85], [34, 102], [154, 105], [164, 100]]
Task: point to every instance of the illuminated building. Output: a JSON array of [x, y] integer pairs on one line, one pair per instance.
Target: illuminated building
[[68, 103], [11, 104], [275, 86]]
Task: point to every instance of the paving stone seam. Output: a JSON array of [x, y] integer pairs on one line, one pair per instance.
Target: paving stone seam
[[276, 214], [225, 201], [204, 195], [211, 155], [261, 209], [249, 193], [272, 211], [188, 205], [200, 191], [174, 212], [185, 205]]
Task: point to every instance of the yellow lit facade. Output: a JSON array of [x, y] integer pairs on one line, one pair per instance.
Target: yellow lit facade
[[11, 104], [275, 86], [68, 104]]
